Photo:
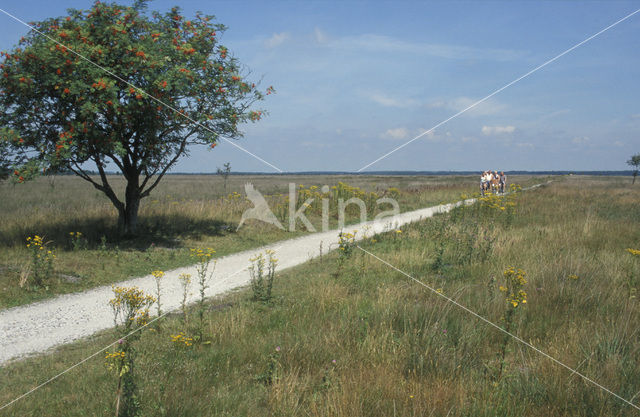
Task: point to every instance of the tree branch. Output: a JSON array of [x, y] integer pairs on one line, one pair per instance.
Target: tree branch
[[183, 146]]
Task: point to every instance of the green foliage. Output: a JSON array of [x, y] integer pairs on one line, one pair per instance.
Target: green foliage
[[263, 272], [634, 161], [130, 313], [204, 258], [225, 173], [112, 85], [400, 349], [41, 260], [77, 240], [346, 246]]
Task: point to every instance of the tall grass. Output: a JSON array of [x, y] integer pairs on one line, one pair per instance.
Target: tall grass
[[185, 211], [370, 342]]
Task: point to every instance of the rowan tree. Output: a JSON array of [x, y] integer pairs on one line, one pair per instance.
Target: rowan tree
[[120, 88], [635, 163]]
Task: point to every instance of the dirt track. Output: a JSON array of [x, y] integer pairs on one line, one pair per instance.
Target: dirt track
[[34, 328]]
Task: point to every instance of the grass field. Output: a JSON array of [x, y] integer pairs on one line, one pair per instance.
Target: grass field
[[184, 212], [364, 340]]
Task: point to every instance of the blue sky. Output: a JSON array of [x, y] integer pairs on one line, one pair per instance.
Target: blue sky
[[357, 79]]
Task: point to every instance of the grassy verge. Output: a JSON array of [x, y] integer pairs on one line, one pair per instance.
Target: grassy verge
[[368, 341], [185, 212]]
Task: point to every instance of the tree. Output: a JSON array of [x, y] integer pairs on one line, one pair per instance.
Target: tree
[[5, 171], [134, 110], [225, 173], [635, 163]]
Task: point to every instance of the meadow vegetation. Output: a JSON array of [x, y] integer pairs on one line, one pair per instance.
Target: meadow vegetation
[[559, 266], [78, 224]]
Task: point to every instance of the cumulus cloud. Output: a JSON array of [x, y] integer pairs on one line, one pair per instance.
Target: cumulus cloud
[[497, 130], [395, 134], [276, 39]]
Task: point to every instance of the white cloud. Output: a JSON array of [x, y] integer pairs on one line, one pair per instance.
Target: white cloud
[[380, 43], [497, 130], [581, 140], [277, 39], [485, 108], [431, 135], [525, 145], [388, 101], [555, 114], [320, 36], [395, 134]]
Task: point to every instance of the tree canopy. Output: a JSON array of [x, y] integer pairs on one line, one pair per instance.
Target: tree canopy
[[115, 85]]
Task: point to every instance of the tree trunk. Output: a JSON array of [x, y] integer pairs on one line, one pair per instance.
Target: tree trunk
[[128, 215], [635, 174]]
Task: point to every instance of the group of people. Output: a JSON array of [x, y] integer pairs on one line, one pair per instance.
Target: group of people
[[493, 181]]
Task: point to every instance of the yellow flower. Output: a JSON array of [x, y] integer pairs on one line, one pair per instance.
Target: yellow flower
[[635, 252]]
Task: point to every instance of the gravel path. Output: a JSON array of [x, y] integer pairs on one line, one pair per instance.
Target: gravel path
[[36, 327]]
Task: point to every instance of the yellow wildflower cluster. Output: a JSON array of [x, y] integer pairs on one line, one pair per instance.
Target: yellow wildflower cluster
[[234, 196], [261, 259], [115, 355], [343, 191], [573, 277], [202, 254], [130, 305], [181, 339], [346, 243], [75, 235], [157, 274], [493, 201], [346, 240], [271, 255], [185, 279], [41, 259], [115, 361], [500, 203], [635, 252], [515, 281], [36, 243]]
